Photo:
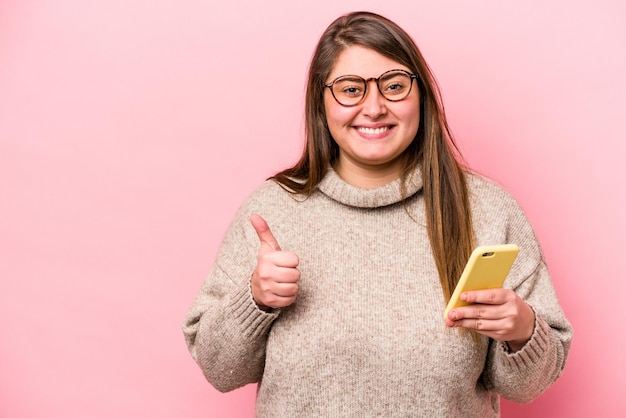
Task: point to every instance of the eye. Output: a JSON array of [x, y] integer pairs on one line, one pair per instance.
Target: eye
[[395, 84], [349, 87], [393, 87], [351, 91]]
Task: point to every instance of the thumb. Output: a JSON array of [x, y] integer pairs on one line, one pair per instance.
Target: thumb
[[263, 231]]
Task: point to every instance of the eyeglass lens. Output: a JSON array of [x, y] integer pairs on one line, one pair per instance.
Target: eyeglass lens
[[349, 90]]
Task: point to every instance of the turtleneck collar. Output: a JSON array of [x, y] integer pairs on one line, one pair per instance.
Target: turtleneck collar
[[337, 189]]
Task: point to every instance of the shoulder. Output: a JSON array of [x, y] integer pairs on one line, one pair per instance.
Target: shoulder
[[266, 199], [489, 198], [498, 218], [270, 197], [482, 188], [495, 210], [268, 190], [271, 201]]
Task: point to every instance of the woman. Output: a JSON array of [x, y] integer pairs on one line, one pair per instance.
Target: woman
[[329, 286]]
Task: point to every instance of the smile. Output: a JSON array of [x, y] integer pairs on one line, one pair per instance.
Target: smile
[[373, 131]]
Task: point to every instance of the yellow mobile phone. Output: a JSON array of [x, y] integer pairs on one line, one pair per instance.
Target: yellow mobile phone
[[486, 268]]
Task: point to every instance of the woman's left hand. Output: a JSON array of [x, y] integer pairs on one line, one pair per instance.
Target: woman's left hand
[[496, 313]]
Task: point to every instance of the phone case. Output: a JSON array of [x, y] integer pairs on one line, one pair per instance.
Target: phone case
[[486, 268]]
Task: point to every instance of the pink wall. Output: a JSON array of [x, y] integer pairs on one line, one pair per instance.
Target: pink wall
[[127, 141]]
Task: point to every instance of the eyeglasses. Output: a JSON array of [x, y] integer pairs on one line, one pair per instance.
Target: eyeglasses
[[350, 90]]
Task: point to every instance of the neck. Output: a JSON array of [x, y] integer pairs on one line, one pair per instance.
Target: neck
[[368, 177]]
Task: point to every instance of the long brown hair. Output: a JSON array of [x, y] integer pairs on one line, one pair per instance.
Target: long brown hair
[[433, 149]]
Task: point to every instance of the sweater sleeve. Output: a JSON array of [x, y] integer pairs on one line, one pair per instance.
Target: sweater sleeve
[[225, 331], [523, 375]]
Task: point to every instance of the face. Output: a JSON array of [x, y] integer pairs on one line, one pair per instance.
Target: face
[[373, 134]]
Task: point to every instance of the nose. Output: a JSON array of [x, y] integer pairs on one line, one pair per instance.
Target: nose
[[374, 104]]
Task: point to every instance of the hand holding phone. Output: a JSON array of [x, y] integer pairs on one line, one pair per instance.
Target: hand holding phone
[[486, 268]]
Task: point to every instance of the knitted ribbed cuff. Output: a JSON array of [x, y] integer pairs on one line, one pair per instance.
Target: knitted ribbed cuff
[[253, 321], [532, 354]]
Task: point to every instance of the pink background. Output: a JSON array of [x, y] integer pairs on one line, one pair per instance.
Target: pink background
[[130, 131]]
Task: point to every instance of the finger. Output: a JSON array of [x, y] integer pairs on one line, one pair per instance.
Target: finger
[[286, 275], [285, 290], [277, 274], [272, 300], [482, 325], [476, 311], [263, 231], [282, 259], [499, 329], [277, 295], [486, 296], [281, 302]]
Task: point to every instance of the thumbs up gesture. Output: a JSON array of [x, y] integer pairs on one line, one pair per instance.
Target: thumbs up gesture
[[275, 279]]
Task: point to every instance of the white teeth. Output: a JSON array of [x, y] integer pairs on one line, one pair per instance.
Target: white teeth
[[373, 131]]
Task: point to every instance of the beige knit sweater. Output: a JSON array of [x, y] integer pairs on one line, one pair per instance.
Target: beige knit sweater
[[366, 337]]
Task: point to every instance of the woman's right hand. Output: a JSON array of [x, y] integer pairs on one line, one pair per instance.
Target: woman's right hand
[[274, 282]]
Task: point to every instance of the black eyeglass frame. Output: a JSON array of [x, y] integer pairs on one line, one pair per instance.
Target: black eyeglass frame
[[366, 83]]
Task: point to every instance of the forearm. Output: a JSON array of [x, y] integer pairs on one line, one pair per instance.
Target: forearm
[[524, 374], [227, 338]]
